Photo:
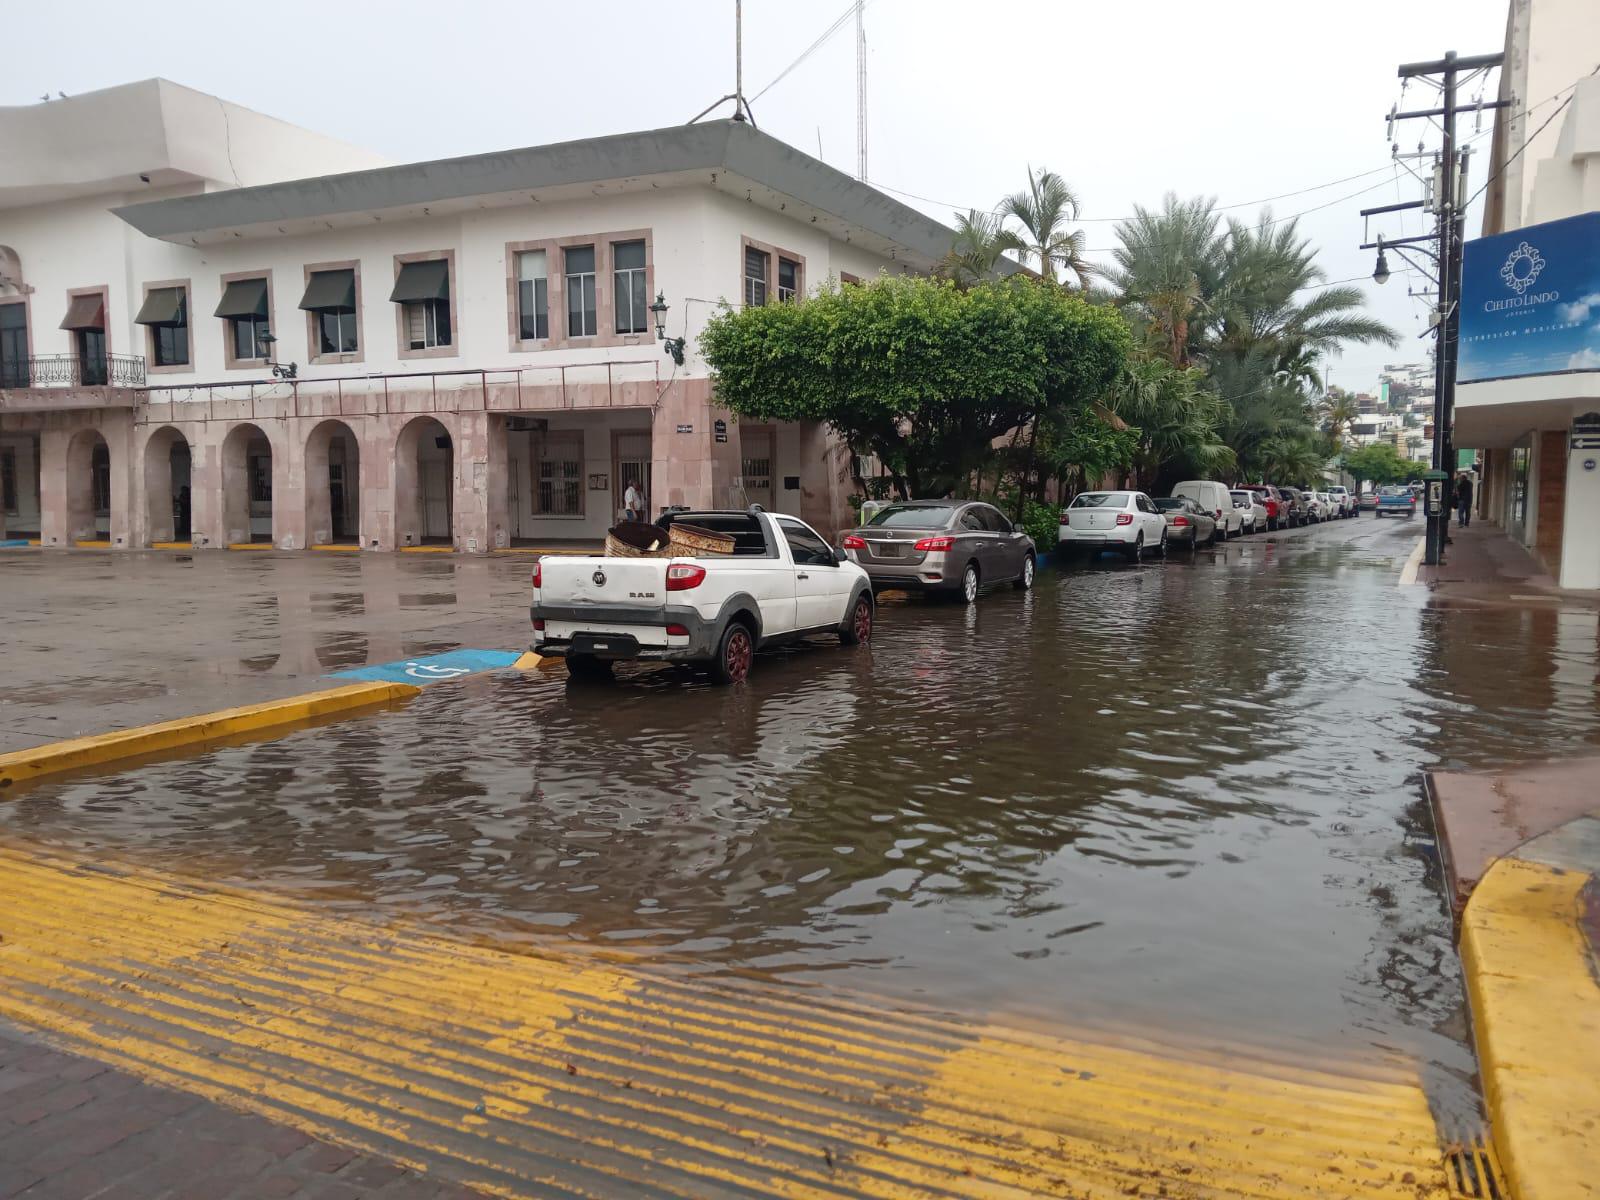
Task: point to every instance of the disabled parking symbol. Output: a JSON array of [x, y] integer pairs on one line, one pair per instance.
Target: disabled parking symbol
[[432, 668], [431, 671]]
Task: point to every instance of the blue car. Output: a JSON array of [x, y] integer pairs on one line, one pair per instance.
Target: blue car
[[1395, 502]]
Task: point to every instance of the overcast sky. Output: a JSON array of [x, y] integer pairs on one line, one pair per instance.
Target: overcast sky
[[1236, 99]]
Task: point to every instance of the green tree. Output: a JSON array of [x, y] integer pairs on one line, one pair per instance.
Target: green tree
[[1044, 209], [1377, 463], [923, 374], [976, 250], [1168, 271], [1178, 421]]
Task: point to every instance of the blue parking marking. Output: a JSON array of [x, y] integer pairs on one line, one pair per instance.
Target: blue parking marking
[[432, 668]]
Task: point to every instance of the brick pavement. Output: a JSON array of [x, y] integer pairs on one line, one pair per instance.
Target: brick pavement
[[73, 1129]]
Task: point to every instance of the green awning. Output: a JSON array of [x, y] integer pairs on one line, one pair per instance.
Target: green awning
[[330, 291], [244, 298], [422, 281], [85, 312], [162, 306]]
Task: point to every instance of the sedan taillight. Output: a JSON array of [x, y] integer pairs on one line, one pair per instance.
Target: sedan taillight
[[852, 542], [934, 544], [1180, 520], [1065, 520], [1124, 518]]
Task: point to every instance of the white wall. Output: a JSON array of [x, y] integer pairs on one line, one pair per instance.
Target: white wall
[[1550, 45]]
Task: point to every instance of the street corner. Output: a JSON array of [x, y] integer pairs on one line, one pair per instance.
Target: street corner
[[438, 668]]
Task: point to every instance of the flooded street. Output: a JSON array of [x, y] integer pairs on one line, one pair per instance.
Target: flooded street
[[1180, 797]]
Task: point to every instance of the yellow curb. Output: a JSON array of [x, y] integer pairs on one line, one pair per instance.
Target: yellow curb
[[172, 545], [427, 549], [528, 661], [1536, 1022], [21, 767], [541, 1070], [339, 547], [92, 544], [251, 546]]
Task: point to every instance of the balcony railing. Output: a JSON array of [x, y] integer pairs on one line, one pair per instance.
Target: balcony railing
[[67, 370]]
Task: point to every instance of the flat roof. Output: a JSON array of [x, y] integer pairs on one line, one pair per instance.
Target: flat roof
[[711, 148]]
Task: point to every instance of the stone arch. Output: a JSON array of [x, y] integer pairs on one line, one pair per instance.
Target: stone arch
[[89, 492], [424, 484], [333, 484], [249, 468], [168, 486]]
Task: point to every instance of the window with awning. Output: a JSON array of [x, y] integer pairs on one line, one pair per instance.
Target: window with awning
[[331, 298], [166, 311], [85, 312], [423, 292], [163, 306], [421, 281], [244, 298]]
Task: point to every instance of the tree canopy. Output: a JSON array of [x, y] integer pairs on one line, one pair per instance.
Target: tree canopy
[[1378, 463], [925, 375]]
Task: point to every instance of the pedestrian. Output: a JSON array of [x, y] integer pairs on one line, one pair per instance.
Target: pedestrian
[[633, 502], [1464, 500]]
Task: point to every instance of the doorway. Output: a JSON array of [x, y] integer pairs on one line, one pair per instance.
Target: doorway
[[424, 484], [755, 466], [333, 485], [630, 463], [247, 461]]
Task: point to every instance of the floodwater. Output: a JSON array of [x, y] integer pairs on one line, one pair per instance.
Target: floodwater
[[1183, 798]]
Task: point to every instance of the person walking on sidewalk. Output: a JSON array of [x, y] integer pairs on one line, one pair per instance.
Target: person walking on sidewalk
[[1463, 500]]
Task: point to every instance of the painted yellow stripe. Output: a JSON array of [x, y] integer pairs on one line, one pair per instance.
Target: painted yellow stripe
[[172, 545], [1536, 1019], [92, 544], [251, 546], [427, 549], [20, 767], [339, 547], [527, 1074], [527, 661]]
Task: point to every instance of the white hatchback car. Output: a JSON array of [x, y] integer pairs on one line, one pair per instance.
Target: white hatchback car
[[1251, 511], [1128, 522]]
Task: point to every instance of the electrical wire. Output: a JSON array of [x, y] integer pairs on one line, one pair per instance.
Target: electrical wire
[[838, 24], [1571, 90]]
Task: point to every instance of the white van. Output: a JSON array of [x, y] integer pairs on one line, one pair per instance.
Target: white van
[[1217, 500]]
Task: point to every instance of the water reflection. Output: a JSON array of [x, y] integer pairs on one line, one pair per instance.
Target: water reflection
[[1178, 795]]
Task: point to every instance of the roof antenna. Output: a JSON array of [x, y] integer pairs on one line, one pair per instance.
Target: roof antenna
[[741, 106]]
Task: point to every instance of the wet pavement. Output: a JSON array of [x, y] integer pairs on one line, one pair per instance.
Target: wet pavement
[[1181, 798]]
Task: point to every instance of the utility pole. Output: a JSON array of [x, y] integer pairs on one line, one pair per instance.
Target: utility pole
[[861, 92], [1449, 203]]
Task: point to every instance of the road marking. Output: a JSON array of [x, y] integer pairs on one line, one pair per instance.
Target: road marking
[[20, 767], [433, 668], [251, 546], [538, 1074], [1408, 573]]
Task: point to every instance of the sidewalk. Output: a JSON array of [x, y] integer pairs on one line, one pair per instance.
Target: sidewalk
[[1483, 565]]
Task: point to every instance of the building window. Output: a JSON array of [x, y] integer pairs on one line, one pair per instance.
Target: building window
[[533, 295], [788, 279], [244, 308], [14, 345], [86, 320], [427, 324], [579, 272], [632, 300], [8, 480], [331, 299], [165, 313], [100, 477], [558, 471], [422, 289], [247, 333], [756, 264]]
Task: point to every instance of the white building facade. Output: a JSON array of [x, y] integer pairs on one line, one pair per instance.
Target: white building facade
[[475, 352]]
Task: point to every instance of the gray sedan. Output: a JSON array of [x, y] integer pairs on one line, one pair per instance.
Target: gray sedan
[[952, 547], [1188, 525]]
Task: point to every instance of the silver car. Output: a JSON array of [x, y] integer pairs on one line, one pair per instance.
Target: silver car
[[952, 547]]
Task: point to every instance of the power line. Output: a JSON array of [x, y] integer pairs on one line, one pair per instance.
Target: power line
[[1571, 90], [838, 24]]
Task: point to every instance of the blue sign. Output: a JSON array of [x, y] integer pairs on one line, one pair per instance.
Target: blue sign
[[1530, 301], [432, 668]]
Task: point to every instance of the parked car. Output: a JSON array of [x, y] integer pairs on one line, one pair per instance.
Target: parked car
[[781, 582], [1341, 496], [1215, 499], [951, 547], [1395, 501], [1330, 504], [1316, 507], [1128, 522], [1252, 512], [1272, 500], [1294, 501], [1188, 525], [1369, 501]]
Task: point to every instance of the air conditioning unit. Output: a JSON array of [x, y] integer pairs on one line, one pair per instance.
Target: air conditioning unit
[[527, 424]]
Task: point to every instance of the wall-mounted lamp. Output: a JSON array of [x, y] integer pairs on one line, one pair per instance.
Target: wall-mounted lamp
[[280, 370], [672, 346]]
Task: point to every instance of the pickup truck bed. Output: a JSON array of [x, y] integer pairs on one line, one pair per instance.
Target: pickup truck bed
[[782, 582]]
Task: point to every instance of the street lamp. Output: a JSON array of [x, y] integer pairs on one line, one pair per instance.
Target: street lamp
[[672, 346], [281, 371], [1380, 273]]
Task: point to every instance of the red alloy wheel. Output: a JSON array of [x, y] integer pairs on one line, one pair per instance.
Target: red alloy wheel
[[736, 658], [862, 624]]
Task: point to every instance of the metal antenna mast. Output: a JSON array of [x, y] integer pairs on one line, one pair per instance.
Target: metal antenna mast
[[861, 92], [741, 106]]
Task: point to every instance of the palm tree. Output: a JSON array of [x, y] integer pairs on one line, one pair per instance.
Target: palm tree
[[1044, 209], [976, 250], [1169, 270], [1178, 419], [1338, 410]]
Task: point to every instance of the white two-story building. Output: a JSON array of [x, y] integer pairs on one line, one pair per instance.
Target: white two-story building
[[217, 329]]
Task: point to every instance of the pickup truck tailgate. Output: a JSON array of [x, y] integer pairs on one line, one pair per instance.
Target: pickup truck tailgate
[[613, 582]]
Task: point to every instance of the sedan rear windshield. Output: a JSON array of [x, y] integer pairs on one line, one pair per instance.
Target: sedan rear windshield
[[1170, 503], [912, 516], [1101, 500]]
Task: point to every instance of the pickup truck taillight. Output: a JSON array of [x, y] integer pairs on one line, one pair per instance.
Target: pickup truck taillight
[[852, 542], [677, 630], [681, 577], [934, 544], [537, 575], [1124, 518]]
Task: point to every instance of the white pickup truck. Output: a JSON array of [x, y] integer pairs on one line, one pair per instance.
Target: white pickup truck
[[782, 582]]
